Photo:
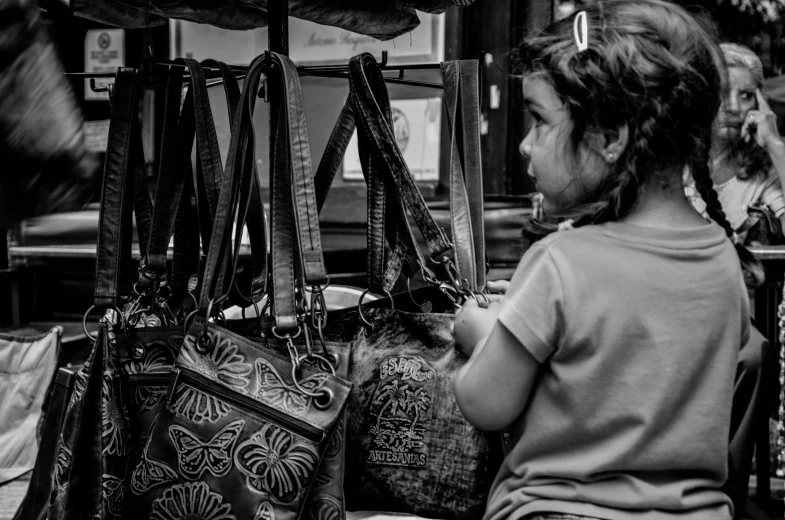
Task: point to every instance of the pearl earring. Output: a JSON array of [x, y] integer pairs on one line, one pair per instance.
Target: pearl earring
[[610, 157]]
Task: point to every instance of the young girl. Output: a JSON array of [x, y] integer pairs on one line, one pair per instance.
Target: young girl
[[747, 153], [611, 358]]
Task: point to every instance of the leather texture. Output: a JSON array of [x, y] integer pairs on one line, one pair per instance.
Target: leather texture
[[462, 99], [383, 20], [265, 438], [116, 194], [94, 444]]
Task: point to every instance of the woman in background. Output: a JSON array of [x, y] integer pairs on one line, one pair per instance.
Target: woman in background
[[747, 158]]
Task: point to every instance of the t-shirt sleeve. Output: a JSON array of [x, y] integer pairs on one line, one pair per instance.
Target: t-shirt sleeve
[[772, 194], [532, 309]]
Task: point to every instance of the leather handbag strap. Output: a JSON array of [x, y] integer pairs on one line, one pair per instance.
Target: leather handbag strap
[[381, 216], [143, 206], [256, 221], [461, 97], [114, 215], [294, 217], [363, 73], [293, 197], [175, 141]]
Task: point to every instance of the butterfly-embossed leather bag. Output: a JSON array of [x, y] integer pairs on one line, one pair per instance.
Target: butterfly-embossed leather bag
[[149, 345], [244, 429], [411, 449]]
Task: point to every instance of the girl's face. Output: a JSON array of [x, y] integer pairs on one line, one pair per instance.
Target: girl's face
[[561, 174], [738, 100]]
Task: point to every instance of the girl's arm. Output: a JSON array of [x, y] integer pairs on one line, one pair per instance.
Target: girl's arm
[[493, 387]]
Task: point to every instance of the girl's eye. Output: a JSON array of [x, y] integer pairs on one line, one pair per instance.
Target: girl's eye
[[746, 96], [534, 120]]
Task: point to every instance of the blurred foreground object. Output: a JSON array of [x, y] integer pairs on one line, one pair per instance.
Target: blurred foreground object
[[44, 165]]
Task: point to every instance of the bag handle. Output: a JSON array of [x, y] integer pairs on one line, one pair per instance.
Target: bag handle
[[257, 220], [297, 257], [235, 193], [115, 215], [461, 96], [364, 74]]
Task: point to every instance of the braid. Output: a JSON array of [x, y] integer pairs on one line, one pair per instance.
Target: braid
[[754, 274]]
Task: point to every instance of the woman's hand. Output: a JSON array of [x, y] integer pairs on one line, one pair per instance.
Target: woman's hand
[[473, 323], [761, 125]]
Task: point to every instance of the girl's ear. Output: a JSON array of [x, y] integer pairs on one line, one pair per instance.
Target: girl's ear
[[615, 142]]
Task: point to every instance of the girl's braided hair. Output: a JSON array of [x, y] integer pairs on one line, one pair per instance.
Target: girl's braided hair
[[649, 65]]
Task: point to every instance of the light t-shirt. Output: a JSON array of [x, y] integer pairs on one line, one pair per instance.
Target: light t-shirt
[[638, 331], [736, 194]]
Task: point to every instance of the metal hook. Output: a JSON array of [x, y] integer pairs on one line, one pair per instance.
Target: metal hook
[[96, 88], [384, 59], [360, 310]]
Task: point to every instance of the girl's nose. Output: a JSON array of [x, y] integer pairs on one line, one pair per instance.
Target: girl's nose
[[525, 147], [732, 103]]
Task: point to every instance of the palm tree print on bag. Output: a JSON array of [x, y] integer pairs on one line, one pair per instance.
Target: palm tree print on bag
[[276, 464], [400, 406], [191, 501]]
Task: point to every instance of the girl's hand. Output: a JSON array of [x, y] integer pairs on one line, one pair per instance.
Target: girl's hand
[[473, 323], [761, 125], [497, 286]]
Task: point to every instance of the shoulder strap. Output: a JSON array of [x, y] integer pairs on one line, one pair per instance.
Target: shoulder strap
[[115, 213]]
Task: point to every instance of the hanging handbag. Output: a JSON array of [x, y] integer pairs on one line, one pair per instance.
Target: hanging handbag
[[412, 450], [245, 428], [762, 227], [94, 443]]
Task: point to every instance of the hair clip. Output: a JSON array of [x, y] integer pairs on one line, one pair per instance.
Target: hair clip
[[580, 30], [566, 225]]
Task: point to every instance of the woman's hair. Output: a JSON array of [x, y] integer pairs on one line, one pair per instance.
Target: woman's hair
[[753, 159], [653, 67]]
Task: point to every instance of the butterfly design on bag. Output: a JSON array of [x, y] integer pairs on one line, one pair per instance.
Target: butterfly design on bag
[[150, 473], [283, 396], [112, 490], [215, 455]]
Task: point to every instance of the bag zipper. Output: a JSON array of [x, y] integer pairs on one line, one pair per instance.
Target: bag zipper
[[293, 425], [160, 379]]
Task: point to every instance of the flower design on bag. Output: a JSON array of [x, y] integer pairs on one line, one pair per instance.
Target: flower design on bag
[[197, 406], [265, 512], [215, 455], [80, 385], [112, 490], [150, 473], [115, 436], [326, 507], [275, 463], [223, 363], [273, 390], [191, 501], [61, 468], [157, 359]]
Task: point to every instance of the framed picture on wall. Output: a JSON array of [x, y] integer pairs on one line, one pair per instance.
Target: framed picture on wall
[[309, 43]]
